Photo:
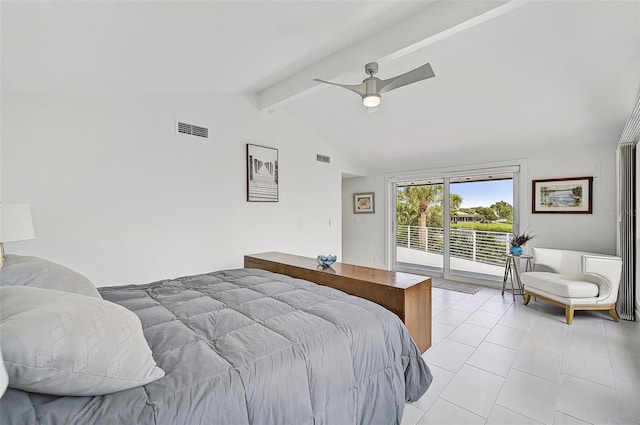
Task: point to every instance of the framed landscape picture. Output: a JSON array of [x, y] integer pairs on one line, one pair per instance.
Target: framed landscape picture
[[563, 196], [262, 174], [363, 203]]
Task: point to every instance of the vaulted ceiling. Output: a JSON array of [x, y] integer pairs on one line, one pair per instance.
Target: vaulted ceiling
[[510, 75]]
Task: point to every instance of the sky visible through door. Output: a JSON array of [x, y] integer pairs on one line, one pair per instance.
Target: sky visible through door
[[484, 193]]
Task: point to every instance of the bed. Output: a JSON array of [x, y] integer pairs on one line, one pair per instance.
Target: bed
[[249, 346]]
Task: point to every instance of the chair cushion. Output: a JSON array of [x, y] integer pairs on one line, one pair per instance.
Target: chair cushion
[[559, 284]]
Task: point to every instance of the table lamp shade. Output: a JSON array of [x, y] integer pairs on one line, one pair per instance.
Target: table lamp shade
[[15, 223]]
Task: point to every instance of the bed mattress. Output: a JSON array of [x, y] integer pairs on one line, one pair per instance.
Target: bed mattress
[[249, 346]]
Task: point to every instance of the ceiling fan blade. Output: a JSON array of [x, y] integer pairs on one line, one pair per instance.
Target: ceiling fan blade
[[356, 88], [420, 73]]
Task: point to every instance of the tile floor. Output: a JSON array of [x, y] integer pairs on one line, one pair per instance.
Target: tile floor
[[496, 361]]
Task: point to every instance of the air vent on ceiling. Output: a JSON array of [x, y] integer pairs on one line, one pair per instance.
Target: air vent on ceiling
[[192, 130], [323, 158]]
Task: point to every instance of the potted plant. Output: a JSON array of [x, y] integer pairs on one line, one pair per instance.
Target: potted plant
[[518, 240]]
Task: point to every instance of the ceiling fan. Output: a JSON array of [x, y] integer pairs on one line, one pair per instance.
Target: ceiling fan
[[372, 87]]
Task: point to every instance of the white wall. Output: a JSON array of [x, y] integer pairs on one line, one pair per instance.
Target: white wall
[[588, 232], [117, 195], [364, 236]]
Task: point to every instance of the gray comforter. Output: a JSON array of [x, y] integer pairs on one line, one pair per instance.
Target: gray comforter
[[251, 347]]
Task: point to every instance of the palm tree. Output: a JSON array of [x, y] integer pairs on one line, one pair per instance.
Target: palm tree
[[422, 206], [406, 214], [455, 201], [423, 197]]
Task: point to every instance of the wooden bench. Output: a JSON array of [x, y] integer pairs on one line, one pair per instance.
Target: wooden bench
[[407, 295]]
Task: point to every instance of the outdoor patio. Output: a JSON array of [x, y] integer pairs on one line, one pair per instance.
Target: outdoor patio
[[458, 265]]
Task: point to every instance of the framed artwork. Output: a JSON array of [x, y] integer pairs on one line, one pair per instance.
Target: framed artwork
[[563, 196], [364, 203], [262, 174]]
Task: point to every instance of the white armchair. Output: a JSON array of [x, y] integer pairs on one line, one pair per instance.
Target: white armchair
[[575, 280]]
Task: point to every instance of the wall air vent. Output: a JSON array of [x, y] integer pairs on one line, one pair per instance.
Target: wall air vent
[[192, 130], [323, 158]]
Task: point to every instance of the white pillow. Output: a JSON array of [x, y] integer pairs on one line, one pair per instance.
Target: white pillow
[[4, 378], [61, 343], [40, 273]]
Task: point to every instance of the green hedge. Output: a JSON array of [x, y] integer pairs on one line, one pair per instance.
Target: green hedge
[[489, 227]]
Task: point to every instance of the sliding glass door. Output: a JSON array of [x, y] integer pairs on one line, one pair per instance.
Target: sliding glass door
[[481, 212], [456, 225]]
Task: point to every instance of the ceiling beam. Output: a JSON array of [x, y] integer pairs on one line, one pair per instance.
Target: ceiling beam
[[434, 22]]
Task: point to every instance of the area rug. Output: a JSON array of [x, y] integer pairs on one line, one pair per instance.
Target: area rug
[[449, 285]]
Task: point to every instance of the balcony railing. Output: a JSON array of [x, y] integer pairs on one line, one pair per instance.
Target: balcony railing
[[474, 245]]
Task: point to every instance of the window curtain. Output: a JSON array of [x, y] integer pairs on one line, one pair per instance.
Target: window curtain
[[628, 233]]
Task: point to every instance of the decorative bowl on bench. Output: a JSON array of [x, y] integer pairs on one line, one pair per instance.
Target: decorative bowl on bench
[[326, 260]]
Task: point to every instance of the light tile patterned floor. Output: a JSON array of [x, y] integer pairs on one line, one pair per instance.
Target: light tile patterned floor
[[499, 362]]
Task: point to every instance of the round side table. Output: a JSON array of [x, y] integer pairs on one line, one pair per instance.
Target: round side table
[[512, 273]]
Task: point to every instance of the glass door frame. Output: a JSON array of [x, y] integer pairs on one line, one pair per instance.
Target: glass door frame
[[518, 168]]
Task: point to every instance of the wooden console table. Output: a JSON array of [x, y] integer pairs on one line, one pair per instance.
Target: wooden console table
[[407, 295]]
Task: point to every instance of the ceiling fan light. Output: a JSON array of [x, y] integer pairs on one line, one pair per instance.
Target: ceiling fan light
[[371, 100]]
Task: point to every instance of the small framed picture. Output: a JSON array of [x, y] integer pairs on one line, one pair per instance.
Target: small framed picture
[[364, 203], [262, 174], [562, 196]]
